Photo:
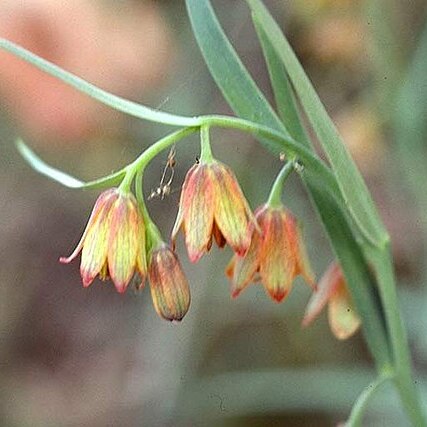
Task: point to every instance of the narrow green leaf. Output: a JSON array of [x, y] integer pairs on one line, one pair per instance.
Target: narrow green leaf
[[227, 70], [283, 93], [67, 180], [113, 101], [350, 181]]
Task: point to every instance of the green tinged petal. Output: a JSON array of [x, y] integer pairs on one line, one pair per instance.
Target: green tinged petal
[[123, 240], [95, 243], [232, 212]]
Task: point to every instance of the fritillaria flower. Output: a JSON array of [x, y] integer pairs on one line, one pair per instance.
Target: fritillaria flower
[[169, 287], [213, 205], [275, 257], [332, 290], [113, 243]]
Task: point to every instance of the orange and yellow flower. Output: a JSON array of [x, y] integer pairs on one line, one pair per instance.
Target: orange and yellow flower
[[113, 243], [212, 204], [332, 290], [169, 286], [275, 257]]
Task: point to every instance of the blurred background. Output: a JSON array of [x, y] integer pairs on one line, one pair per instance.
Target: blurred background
[[91, 357]]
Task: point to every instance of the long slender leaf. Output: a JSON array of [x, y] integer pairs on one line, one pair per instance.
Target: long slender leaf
[[349, 179], [113, 101], [67, 180], [226, 68], [283, 94]]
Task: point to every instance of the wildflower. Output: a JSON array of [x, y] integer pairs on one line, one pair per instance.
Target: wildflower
[[275, 257], [332, 290], [169, 287], [113, 243], [213, 205]]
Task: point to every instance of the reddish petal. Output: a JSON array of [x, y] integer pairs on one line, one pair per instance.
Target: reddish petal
[[303, 267], [326, 287], [243, 270], [277, 263]]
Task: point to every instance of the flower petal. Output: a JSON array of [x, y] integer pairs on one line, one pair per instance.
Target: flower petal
[[297, 245], [95, 245], [343, 319], [93, 219], [232, 212], [169, 287], [326, 287], [277, 262], [198, 211], [123, 240], [243, 270]]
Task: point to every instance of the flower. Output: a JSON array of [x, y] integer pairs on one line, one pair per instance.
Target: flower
[[169, 287], [275, 257], [113, 243], [332, 290], [212, 204]]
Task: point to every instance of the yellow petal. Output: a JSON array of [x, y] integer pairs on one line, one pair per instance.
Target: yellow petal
[[95, 244], [197, 211], [232, 212], [343, 319], [123, 241]]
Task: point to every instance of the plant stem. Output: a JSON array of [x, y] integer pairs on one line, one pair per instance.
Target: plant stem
[[359, 408], [206, 151], [405, 384], [275, 197]]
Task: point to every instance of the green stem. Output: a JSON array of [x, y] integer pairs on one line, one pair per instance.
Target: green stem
[[154, 237], [275, 197], [359, 408], [205, 151], [404, 381]]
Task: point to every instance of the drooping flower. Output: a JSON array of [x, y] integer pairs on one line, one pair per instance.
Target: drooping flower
[[275, 257], [332, 290], [212, 204], [169, 286], [113, 243]]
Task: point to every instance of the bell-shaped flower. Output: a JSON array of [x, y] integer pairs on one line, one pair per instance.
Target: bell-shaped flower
[[113, 243], [332, 290], [275, 257], [212, 204], [169, 286]]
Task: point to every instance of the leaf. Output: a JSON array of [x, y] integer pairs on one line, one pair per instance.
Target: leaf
[[67, 180], [284, 97], [350, 181], [113, 101], [227, 70]]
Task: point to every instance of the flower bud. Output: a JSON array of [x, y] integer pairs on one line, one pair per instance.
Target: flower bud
[[169, 287]]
